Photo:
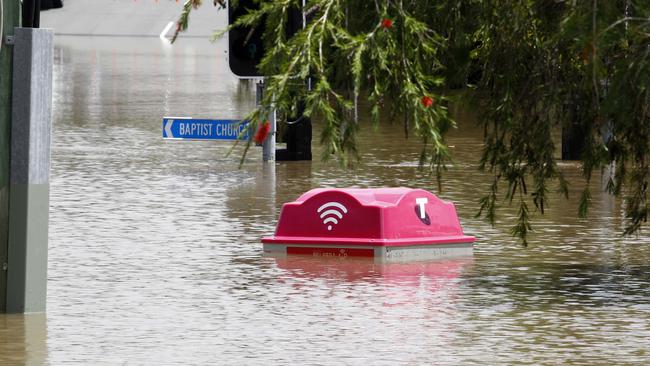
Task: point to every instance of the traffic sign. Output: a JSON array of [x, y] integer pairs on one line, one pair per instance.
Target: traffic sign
[[245, 44], [182, 128]]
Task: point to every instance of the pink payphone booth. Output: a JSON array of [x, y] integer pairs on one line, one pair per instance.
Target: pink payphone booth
[[387, 224]]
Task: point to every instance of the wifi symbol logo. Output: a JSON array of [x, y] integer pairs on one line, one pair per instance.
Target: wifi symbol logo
[[329, 213]]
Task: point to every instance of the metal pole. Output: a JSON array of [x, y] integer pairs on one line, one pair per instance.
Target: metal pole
[[10, 18], [268, 147]]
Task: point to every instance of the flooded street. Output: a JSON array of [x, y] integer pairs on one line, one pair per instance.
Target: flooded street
[[155, 254]]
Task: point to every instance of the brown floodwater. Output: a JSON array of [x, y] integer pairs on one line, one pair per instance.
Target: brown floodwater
[[155, 259]]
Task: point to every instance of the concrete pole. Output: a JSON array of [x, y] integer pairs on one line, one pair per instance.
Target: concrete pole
[[10, 19], [30, 170]]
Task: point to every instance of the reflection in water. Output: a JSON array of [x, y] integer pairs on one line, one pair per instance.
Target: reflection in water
[[23, 339], [155, 255], [366, 269]]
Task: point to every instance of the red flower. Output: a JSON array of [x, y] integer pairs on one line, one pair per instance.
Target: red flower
[[262, 132], [386, 23], [426, 101]]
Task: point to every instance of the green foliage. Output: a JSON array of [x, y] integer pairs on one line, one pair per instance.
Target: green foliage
[[534, 66], [349, 56], [551, 64]]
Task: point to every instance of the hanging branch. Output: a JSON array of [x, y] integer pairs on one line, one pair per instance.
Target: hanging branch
[[533, 66]]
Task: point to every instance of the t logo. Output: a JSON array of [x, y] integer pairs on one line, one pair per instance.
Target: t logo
[[421, 211], [421, 202]]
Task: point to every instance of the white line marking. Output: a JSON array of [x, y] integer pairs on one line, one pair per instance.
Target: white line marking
[[163, 34], [173, 117]]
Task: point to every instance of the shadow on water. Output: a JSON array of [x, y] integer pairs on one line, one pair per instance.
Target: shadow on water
[[531, 284], [352, 269]]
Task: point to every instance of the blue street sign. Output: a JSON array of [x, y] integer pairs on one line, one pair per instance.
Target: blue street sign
[[203, 129]]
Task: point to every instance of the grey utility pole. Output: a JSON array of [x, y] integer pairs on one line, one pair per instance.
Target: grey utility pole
[[27, 119], [9, 18]]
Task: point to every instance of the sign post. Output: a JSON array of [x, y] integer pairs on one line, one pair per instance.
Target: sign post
[[268, 147]]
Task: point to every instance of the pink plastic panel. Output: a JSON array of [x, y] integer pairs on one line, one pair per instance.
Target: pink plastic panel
[[383, 216], [329, 213]]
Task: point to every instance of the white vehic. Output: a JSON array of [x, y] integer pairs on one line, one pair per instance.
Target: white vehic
[[164, 32]]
